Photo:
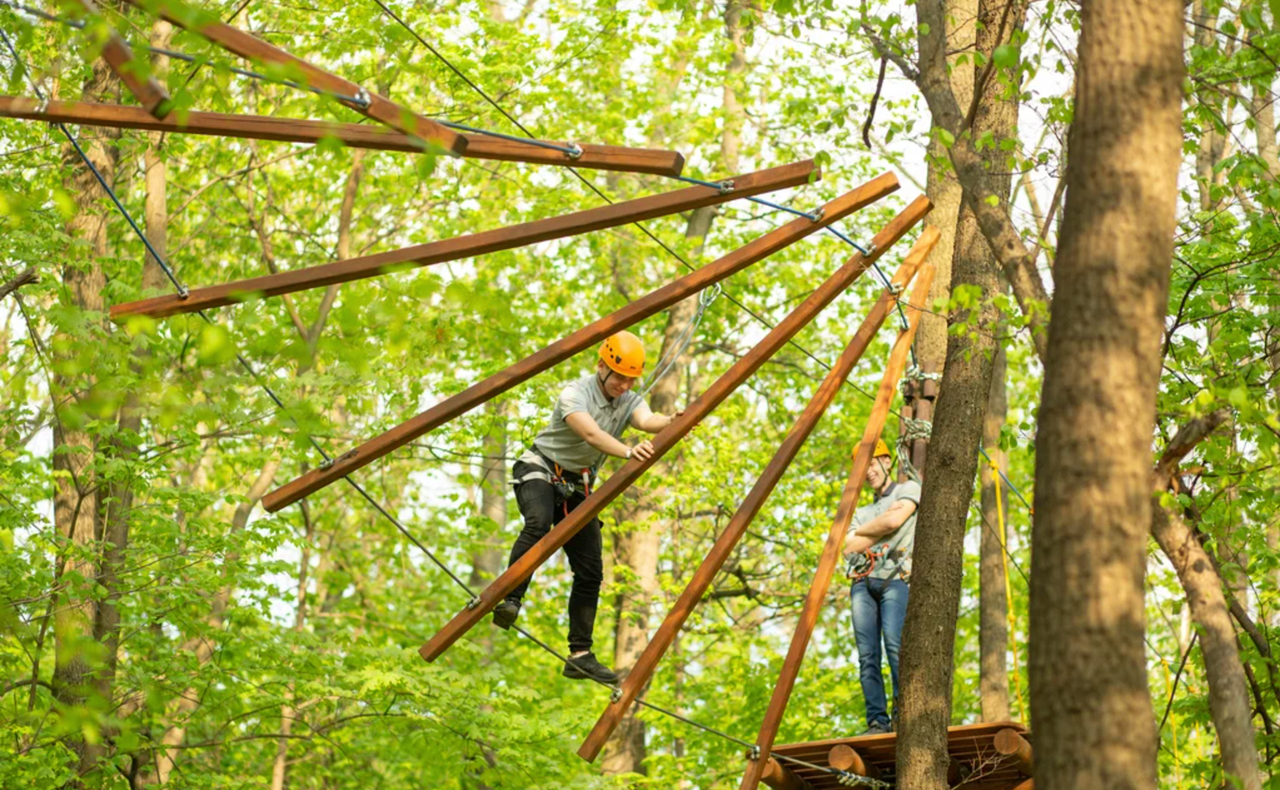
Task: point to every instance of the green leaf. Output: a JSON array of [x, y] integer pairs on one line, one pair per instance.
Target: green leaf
[[1005, 56]]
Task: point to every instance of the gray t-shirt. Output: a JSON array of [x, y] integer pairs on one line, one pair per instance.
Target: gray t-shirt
[[561, 444], [896, 546]]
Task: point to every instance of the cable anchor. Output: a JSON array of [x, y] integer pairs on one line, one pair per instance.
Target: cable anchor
[[816, 215], [363, 98], [615, 693], [574, 152], [474, 602], [726, 186]]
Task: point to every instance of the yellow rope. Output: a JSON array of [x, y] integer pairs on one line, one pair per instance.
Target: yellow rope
[[1008, 592], [1173, 723]]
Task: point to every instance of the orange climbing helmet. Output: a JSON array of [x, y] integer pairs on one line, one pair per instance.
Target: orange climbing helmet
[[624, 354]]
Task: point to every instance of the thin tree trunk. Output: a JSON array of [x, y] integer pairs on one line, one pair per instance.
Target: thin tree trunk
[[928, 636], [1090, 704], [486, 564], [76, 502], [993, 617], [1228, 695], [639, 548], [289, 711], [181, 709]]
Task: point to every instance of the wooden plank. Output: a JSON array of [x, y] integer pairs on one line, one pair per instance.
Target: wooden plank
[[119, 56], [354, 135], [831, 552], [638, 677], [468, 246], [379, 108], [667, 438], [580, 340], [1011, 745], [1030, 784]]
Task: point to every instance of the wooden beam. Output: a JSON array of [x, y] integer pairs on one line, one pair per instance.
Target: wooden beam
[[667, 438], [353, 135], [379, 108], [638, 677], [563, 349], [843, 757], [777, 777], [1011, 745], [468, 246], [832, 551], [119, 56], [1030, 784]]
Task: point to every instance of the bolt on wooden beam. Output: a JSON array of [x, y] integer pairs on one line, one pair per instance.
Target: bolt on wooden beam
[[832, 551], [667, 438], [353, 135], [468, 246], [370, 104], [119, 56], [723, 547], [586, 337]]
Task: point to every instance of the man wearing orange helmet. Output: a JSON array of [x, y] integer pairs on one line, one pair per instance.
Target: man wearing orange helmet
[[557, 473], [879, 555]]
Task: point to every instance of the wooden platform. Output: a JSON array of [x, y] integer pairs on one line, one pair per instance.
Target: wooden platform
[[972, 748]]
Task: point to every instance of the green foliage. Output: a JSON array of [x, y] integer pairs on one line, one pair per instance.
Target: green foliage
[[203, 570]]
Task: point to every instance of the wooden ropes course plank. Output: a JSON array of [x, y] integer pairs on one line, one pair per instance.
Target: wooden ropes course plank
[[584, 338], [832, 551], [638, 678], [354, 135], [120, 58], [667, 438], [374, 106], [470, 245]]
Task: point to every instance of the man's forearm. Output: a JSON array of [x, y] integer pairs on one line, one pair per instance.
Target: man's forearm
[[880, 526], [607, 444]]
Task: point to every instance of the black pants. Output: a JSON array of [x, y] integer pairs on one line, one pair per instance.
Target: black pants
[[542, 507]]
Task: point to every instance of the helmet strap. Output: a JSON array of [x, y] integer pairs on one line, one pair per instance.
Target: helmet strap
[[604, 380]]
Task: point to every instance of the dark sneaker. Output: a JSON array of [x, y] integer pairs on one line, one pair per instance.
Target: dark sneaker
[[505, 614], [878, 728], [586, 666]]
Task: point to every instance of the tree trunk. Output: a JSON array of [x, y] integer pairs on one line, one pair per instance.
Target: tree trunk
[[942, 187], [993, 618], [638, 548], [1089, 694], [486, 564], [76, 503], [1228, 695], [289, 710], [928, 637], [181, 709]]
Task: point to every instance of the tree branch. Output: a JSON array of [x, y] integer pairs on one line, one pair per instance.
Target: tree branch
[[26, 277]]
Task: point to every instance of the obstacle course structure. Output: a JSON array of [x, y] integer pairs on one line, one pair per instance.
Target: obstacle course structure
[[410, 132]]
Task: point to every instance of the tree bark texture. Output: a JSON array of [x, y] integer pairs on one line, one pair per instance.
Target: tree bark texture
[[637, 549], [993, 605], [76, 502], [1228, 694], [942, 187], [1089, 693], [928, 637]]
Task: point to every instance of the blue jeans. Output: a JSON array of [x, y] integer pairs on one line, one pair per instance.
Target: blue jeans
[[879, 607]]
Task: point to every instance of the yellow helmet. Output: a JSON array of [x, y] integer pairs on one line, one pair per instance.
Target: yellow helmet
[[624, 354], [882, 450]]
